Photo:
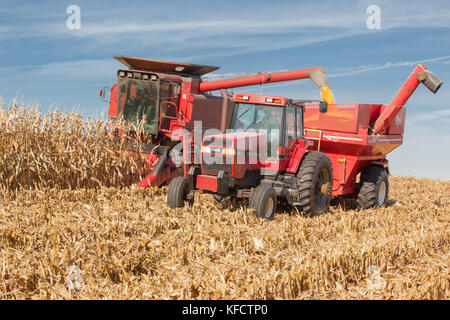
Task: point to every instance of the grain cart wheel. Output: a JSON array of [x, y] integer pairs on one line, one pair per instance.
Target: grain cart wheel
[[374, 188], [263, 201], [177, 192], [315, 183]]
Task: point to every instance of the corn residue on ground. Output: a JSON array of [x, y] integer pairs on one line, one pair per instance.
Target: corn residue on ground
[[67, 239], [128, 245]]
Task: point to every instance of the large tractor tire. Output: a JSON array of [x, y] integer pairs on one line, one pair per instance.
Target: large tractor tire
[[177, 192], [263, 201], [374, 188], [315, 183]]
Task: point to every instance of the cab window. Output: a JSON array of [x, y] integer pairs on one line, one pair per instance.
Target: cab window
[[290, 125]]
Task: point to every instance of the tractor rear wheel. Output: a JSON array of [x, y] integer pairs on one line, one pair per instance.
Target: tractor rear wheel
[[315, 183], [263, 201], [374, 188], [177, 192]]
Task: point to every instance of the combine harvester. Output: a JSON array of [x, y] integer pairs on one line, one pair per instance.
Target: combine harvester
[[321, 150]]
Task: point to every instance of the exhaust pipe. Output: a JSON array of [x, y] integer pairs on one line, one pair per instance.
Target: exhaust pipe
[[431, 81]]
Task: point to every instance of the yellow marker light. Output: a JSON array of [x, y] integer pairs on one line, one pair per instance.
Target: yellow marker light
[[272, 100]]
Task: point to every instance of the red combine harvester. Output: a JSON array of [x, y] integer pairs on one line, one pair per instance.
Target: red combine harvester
[[301, 152], [164, 97]]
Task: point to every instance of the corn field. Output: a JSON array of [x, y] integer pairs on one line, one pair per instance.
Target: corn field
[[71, 227], [61, 150]]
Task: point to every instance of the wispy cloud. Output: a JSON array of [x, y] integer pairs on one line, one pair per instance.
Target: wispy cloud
[[90, 73], [347, 71], [223, 31], [341, 72], [437, 115]]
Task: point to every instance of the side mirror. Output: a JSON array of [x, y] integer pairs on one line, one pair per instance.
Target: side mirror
[[323, 106]]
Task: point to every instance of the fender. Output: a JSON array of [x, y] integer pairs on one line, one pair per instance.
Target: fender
[[301, 147], [382, 163]]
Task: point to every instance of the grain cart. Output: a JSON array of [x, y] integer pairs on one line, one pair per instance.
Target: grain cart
[[316, 151], [164, 97], [357, 137]]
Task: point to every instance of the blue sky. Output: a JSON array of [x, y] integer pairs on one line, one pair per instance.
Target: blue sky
[[43, 62]]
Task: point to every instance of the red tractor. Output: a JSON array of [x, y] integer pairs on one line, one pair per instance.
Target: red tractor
[[301, 152], [264, 157]]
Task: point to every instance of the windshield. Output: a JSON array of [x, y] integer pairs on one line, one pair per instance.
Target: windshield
[[256, 116], [138, 100], [259, 118]]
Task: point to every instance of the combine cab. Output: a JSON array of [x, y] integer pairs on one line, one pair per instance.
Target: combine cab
[[160, 96]]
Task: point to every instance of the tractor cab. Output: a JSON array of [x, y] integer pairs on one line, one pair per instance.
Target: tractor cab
[[262, 135], [278, 118]]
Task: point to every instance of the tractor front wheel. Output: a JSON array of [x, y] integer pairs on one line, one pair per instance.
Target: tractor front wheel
[[374, 188], [263, 201], [178, 192], [315, 183]]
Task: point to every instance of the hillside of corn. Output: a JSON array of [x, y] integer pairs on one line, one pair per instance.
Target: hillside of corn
[[72, 226]]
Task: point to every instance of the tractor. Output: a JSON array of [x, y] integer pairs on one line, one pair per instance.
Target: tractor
[[264, 156]]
